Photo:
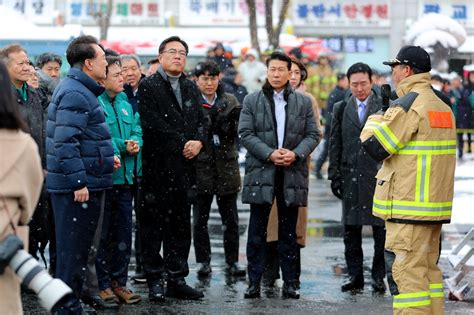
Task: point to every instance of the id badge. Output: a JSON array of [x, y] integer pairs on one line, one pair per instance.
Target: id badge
[[216, 140]]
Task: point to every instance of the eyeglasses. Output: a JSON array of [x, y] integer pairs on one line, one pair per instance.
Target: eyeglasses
[[173, 52]]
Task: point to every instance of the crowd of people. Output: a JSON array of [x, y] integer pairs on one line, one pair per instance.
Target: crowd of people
[[114, 139]]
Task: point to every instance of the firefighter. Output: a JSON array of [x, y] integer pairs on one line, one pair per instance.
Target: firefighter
[[416, 140]]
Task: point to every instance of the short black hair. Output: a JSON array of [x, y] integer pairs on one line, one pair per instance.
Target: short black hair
[[81, 49], [112, 60], [209, 67], [279, 56], [172, 39], [44, 58], [153, 61], [436, 77], [111, 52], [359, 67], [341, 76]]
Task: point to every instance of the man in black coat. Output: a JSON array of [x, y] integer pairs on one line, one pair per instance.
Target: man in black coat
[[31, 108], [174, 131], [352, 173], [217, 171]]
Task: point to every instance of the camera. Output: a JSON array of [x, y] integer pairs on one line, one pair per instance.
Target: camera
[[52, 293]]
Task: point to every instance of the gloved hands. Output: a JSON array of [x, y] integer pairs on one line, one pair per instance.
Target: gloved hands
[[336, 187]]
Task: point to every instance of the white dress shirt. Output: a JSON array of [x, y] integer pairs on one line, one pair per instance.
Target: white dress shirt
[[280, 116]]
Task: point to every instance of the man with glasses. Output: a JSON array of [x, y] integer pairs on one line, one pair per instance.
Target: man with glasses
[[416, 140], [173, 135]]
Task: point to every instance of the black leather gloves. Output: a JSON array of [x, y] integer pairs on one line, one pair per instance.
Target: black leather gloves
[[336, 187]]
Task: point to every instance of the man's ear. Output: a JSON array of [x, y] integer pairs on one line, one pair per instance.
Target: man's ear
[[88, 64]]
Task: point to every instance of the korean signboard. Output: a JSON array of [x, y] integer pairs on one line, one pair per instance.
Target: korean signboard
[[219, 12], [350, 44], [124, 12], [375, 13], [461, 11], [37, 11]]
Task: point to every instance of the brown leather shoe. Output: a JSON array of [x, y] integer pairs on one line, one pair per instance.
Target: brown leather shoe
[[125, 295], [108, 296]]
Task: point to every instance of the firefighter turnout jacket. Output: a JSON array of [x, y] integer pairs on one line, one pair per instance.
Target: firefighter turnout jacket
[[416, 139]]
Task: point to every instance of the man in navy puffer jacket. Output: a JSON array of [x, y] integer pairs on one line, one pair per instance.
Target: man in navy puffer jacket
[[80, 161]]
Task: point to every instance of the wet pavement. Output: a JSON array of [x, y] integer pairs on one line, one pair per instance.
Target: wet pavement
[[323, 266]]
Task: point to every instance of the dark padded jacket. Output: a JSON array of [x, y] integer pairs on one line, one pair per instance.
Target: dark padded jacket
[[257, 130], [78, 144]]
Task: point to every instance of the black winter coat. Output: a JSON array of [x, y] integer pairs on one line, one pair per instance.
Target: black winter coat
[[217, 164], [166, 129], [239, 91], [33, 114], [351, 164], [465, 108], [337, 94]]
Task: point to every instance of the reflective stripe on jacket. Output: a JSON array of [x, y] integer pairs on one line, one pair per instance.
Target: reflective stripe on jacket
[[416, 138]]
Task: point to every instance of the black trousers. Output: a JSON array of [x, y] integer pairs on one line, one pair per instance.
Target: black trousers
[[272, 262], [137, 191], [257, 236], [227, 205], [355, 256], [166, 223], [76, 225]]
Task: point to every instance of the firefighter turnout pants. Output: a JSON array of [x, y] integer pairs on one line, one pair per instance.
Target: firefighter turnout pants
[[415, 270]]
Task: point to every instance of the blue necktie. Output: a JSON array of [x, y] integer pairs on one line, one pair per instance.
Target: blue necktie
[[361, 112]]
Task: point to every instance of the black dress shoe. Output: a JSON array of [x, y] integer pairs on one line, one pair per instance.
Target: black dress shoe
[[98, 303], [205, 270], [139, 277], [269, 283], [354, 283], [235, 270], [253, 291], [290, 290], [156, 291], [378, 285], [180, 290]]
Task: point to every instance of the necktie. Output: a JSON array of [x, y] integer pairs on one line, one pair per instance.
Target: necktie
[[361, 111]]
